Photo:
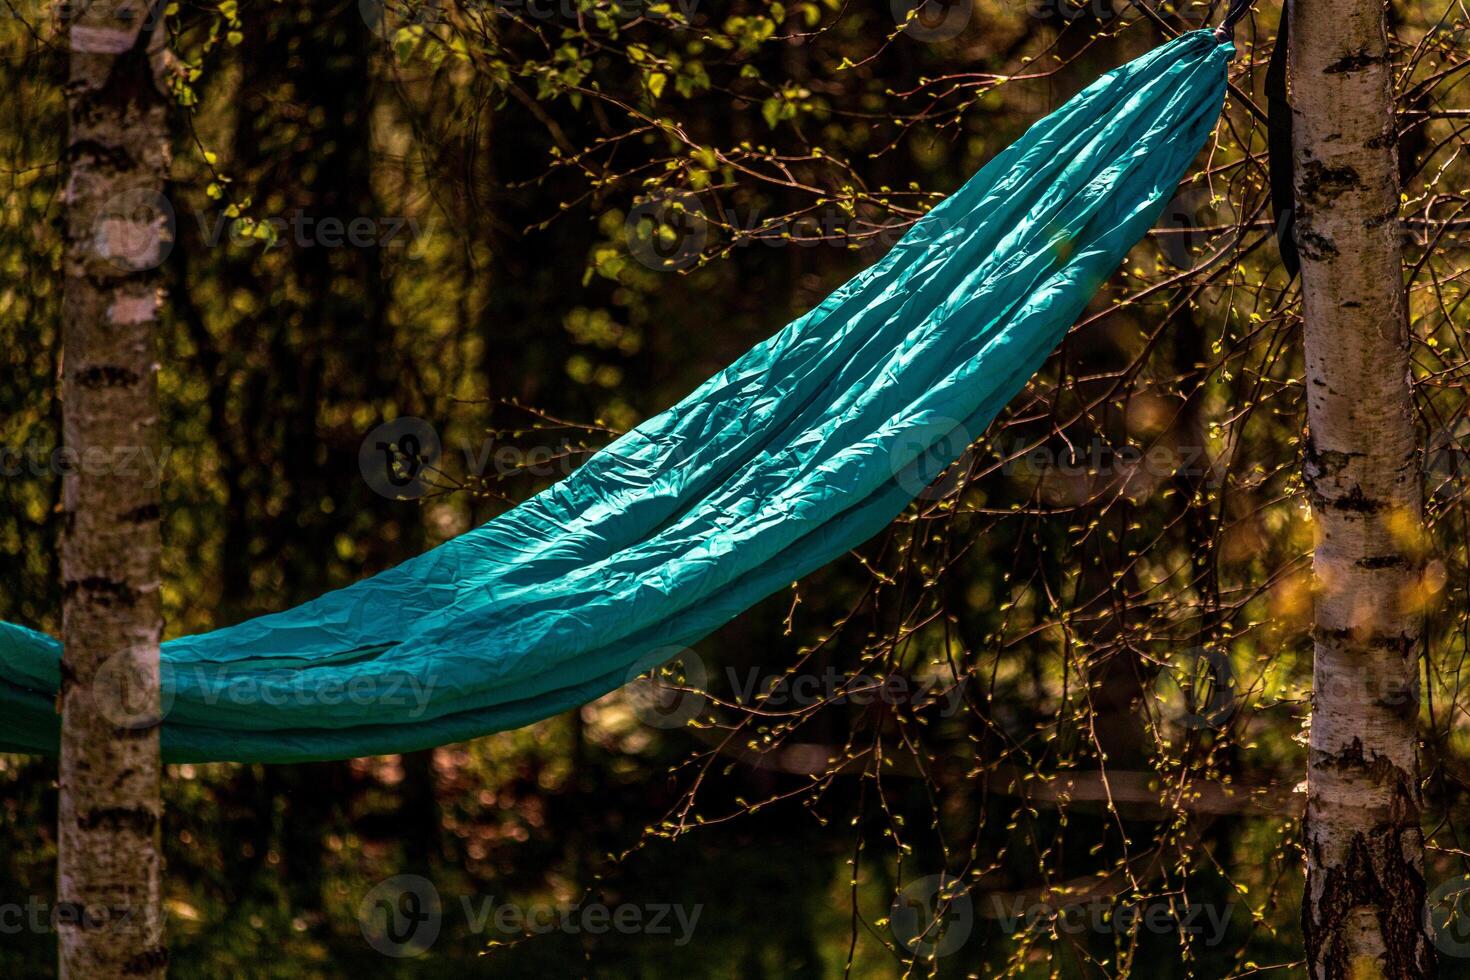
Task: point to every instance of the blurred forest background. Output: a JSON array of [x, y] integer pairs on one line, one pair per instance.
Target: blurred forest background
[[1049, 724]]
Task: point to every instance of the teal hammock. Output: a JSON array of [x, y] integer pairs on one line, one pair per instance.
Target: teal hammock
[[804, 448]]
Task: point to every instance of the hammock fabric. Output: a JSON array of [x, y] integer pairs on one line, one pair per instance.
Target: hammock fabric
[[802, 449]]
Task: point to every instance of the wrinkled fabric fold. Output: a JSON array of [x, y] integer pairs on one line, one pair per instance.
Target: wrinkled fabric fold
[[804, 448]]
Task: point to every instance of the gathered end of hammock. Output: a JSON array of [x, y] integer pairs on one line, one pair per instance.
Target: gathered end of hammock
[[804, 448]]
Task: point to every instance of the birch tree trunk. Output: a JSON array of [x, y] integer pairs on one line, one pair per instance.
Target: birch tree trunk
[[1363, 909], [110, 921]]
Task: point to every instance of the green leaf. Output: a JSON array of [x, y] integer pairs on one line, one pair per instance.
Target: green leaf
[[771, 111]]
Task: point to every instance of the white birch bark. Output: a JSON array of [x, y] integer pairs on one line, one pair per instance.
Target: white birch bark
[[110, 920], [1362, 912]]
